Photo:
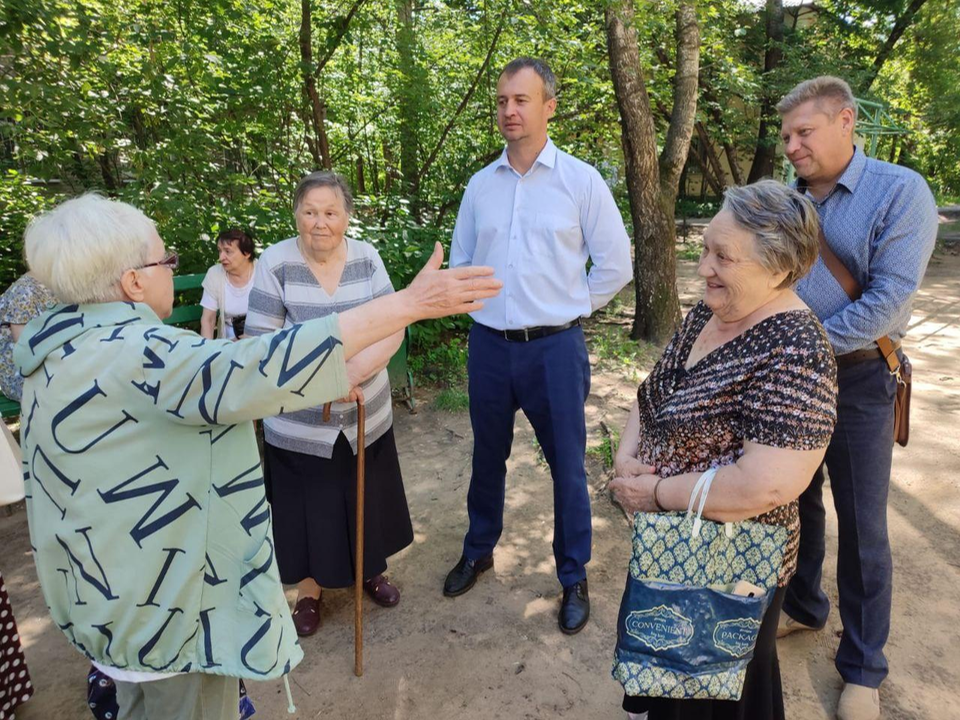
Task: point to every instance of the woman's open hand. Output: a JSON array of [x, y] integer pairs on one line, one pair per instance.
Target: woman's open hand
[[436, 293]]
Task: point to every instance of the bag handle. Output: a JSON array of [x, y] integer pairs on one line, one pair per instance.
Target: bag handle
[[704, 482], [705, 478], [701, 488]]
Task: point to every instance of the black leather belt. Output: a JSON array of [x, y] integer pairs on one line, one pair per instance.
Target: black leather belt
[[859, 356], [533, 333]]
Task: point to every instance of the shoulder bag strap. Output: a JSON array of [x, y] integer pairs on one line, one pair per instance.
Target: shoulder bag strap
[[853, 290], [839, 271]]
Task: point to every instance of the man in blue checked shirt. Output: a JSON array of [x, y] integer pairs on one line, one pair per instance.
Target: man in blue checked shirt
[[880, 220], [536, 215]]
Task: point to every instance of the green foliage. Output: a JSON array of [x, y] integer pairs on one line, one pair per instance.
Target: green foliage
[[689, 251], [615, 350], [922, 80], [20, 200], [688, 208], [606, 450], [452, 400], [197, 112], [441, 361]]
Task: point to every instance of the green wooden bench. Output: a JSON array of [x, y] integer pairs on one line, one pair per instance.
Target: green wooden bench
[[189, 314]]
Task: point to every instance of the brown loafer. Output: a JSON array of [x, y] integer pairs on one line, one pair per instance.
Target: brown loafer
[[306, 616], [382, 592]]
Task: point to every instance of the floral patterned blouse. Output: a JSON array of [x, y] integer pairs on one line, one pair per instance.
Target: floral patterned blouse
[[22, 302], [775, 384]]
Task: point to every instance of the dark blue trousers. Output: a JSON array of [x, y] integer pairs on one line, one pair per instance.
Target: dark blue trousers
[[549, 379], [858, 461]]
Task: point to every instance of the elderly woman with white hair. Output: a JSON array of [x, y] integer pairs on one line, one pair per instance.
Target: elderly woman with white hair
[[747, 385], [150, 528]]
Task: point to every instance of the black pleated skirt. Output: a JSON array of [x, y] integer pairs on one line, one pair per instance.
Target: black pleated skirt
[[762, 697], [314, 504]]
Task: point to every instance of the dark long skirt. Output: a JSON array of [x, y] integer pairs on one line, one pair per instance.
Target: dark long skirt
[[762, 697], [315, 507]]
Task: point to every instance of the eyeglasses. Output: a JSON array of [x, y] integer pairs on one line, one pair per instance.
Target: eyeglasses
[[170, 260]]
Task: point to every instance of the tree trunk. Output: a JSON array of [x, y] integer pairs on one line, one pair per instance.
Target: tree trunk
[[106, 172], [654, 233], [317, 115], [685, 84], [713, 107], [733, 160], [361, 181], [710, 153], [407, 98], [708, 179], [763, 158]]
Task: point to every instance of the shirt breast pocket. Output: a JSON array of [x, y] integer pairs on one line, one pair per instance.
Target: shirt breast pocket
[[555, 235]]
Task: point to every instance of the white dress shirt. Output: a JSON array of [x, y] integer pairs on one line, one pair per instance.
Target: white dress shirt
[[537, 230]]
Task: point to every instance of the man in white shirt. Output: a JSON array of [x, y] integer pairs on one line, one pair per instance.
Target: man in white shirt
[[536, 215]]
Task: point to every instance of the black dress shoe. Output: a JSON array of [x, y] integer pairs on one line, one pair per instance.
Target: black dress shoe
[[464, 575], [575, 608]]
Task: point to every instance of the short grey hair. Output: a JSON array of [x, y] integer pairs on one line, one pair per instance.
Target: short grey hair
[[825, 87], [540, 68], [81, 248], [323, 178], [784, 223]]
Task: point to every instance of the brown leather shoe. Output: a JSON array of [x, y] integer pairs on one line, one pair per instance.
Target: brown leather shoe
[[382, 592], [306, 616]]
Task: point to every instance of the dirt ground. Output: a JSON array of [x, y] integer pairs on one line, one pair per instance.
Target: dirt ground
[[496, 652]]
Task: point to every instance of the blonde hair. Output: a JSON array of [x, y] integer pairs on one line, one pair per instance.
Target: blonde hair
[[82, 247], [825, 87]]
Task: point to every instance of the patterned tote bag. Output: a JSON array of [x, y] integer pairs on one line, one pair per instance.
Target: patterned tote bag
[[695, 597]]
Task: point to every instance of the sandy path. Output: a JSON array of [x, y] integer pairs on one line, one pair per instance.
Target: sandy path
[[497, 652]]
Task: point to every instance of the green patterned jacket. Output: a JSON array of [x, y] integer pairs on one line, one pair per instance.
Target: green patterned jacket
[[150, 529]]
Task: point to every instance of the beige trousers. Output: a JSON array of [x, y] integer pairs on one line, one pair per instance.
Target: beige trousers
[[190, 696]]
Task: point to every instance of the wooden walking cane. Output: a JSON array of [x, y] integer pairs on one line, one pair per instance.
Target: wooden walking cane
[[358, 584], [358, 580]]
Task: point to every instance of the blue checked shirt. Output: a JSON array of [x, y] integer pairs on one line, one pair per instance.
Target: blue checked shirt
[[537, 231], [881, 221]]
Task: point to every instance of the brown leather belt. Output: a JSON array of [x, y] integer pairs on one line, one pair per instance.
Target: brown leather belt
[[533, 333], [859, 356]]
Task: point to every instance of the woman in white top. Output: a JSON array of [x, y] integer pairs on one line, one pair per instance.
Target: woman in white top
[[226, 288]]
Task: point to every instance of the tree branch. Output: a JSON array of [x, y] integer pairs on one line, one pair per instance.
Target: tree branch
[[320, 149], [466, 98], [334, 42], [685, 84], [899, 27]]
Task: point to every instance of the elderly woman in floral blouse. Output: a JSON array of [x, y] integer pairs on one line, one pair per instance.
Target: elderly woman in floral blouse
[[748, 384]]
